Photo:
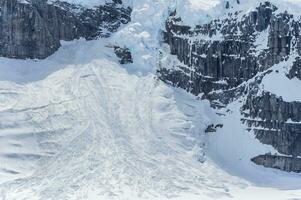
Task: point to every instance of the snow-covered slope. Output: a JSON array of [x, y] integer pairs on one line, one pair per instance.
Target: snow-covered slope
[[78, 125], [81, 133], [86, 122]]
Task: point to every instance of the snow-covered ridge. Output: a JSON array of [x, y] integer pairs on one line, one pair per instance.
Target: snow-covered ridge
[[94, 3], [85, 3], [194, 12]]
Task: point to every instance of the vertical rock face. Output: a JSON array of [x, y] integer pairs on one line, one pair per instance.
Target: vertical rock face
[[24, 34], [295, 71], [275, 122], [218, 58], [34, 29], [230, 53]]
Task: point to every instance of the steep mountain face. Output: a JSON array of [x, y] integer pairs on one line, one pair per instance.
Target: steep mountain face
[[33, 29], [226, 60]]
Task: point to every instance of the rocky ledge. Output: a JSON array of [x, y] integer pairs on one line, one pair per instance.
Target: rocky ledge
[[283, 163], [34, 28]]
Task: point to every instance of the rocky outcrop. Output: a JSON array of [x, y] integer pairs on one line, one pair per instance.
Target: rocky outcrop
[[33, 29], [225, 60], [213, 128], [288, 164], [124, 54]]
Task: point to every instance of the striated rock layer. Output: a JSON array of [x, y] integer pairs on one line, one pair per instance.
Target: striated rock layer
[[228, 51], [224, 60], [34, 29], [275, 122]]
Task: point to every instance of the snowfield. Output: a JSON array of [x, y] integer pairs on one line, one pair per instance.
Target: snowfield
[[95, 131], [112, 129], [79, 126]]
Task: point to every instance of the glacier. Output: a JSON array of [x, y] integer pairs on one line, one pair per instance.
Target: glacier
[[78, 125]]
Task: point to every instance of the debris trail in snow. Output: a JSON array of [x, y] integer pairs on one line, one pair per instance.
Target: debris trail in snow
[[83, 127], [111, 136]]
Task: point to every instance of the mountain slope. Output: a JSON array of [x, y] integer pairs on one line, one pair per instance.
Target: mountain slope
[[97, 137], [78, 125]]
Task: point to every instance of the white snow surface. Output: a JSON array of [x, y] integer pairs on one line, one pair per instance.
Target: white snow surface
[[95, 127], [195, 12], [78, 125], [278, 83], [90, 3]]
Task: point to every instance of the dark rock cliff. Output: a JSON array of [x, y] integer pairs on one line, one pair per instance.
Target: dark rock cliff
[[223, 61], [295, 71], [230, 56], [275, 122], [34, 29]]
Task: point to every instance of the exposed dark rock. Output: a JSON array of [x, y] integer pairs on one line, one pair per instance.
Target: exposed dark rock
[[288, 164], [227, 61], [295, 71], [221, 60], [218, 64], [269, 107], [34, 30], [227, 5], [124, 54], [213, 128], [275, 122], [210, 129], [225, 97]]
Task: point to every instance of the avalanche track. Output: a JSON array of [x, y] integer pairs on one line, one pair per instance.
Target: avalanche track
[[79, 126], [98, 131]]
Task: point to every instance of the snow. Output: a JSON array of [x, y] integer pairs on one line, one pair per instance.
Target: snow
[[195, 12], [233, 147], [85, 3], [282, 86], [202, 4], [279, 84], [100, 138], [78, 125], [89, 3], [23, 1]]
